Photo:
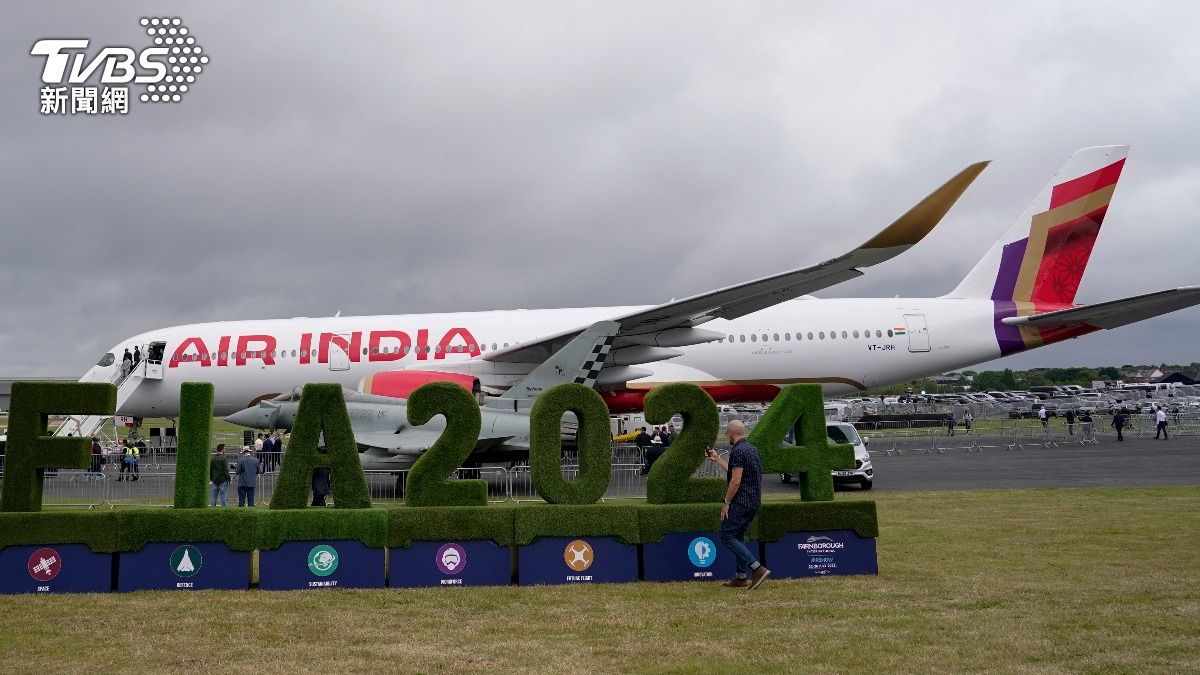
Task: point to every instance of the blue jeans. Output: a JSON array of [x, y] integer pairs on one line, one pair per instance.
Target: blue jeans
[[733, 531], [219, 491], [245, 494]]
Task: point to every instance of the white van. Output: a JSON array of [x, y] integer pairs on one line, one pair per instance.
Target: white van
[[863, 473]]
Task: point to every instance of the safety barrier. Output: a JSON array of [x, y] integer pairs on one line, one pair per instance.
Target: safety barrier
[[110, 489]]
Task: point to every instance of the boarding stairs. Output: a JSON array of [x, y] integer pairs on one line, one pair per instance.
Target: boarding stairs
[[126, 384]]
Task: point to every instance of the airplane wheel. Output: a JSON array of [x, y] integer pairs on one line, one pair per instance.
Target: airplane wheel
[[787, 477]]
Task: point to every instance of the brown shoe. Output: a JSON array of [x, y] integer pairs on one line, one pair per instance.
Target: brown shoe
[[760, 575], [737, 583]]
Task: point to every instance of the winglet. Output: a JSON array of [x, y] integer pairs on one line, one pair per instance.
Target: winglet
[[580, 360], [920, 220]]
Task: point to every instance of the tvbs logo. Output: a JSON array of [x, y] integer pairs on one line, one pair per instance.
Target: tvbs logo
[[168, 68]]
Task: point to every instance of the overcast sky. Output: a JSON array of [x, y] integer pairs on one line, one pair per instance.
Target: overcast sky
[[379, 158]]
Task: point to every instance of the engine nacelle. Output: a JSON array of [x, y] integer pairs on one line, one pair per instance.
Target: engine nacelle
[[402, 383]]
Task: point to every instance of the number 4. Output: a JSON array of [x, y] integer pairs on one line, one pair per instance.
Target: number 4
[[800, 407]]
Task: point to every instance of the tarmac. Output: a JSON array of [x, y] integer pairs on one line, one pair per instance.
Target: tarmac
[[1136, 462]]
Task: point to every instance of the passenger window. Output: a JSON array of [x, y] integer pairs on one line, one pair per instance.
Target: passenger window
[[764, 337], [821, 335], [810, 335], [753, 337], [776, 336], [844, 336], [856, 334], [494, 346], [833, 335], [878, 334], [224, 355], [890, 332], [293, 353], [787, 337], [741, 338]]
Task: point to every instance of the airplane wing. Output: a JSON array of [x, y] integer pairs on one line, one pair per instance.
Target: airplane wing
[[735, 301], [1115, 313], [413, 441]]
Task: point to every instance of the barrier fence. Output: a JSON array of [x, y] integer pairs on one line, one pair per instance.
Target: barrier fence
[[153, 486]]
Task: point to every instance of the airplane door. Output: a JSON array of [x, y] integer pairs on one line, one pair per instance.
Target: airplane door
[[918, 332], [154, 360], [338, 358]]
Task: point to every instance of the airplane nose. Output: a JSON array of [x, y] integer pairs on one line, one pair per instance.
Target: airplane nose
[[261, 416]]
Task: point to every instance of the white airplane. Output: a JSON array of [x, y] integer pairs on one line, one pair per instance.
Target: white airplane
[[740, 343]]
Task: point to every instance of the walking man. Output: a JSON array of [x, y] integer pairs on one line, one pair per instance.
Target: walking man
[[743, 496], [218, 475], [1044, 416], [1160, 416], [1070, 415], [247, 472], [1118, 423]]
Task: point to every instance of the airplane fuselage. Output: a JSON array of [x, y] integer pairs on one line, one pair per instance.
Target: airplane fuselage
[[843, 344]]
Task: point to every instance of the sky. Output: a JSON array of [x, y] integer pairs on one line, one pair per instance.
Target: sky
[[390, 158]]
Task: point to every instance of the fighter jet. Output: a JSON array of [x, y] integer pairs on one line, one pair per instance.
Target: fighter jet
[[386, 440]]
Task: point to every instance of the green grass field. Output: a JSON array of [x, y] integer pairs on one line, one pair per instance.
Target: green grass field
[[1091, 580]]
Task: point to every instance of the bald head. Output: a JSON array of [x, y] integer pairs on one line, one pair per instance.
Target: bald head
[[735, 431]]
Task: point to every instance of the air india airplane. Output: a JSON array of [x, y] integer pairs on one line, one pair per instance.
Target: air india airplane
[[740, 343]]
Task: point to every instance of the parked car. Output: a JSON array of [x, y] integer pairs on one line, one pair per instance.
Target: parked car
[[863, 473]]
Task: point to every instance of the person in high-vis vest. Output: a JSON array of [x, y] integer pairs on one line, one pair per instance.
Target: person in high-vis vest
[[129, 461]]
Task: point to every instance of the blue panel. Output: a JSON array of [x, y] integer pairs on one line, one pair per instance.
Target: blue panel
[[812, 554], [320, 564], [593, 560], [695, 556], [55, 568], [184, 565], [441, 563]]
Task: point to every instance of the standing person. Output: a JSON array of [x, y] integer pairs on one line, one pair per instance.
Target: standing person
[[743, 497], [1070, 415], [268, 452], [126, 363], [670, 437], [247, 471], [1044, 417], [1118, 423], [1160, 417], [278, 448], [1089, 435], [258, 445], [320, 483], [137, 356], [124, 460], [218, 475], [97, 459], [968, 418]]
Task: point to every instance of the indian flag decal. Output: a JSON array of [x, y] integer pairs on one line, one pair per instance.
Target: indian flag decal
[[898, 331]]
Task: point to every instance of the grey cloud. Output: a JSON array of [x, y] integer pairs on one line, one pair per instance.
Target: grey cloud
[[394, 158]]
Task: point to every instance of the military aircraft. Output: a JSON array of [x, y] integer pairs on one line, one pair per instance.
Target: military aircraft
[[386, 440]]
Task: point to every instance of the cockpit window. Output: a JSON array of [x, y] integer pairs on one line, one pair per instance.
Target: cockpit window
[[107, 360]]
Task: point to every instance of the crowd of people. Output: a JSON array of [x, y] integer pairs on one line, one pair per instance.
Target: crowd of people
[[653, 445]]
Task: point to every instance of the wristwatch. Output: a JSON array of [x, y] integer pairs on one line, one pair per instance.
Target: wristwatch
[[726, 502]]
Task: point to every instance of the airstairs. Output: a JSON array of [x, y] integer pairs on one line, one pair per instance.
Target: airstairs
[[126, 384]]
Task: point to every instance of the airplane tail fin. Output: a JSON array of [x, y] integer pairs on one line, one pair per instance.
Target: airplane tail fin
[[580, 360], [1042, 257]]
